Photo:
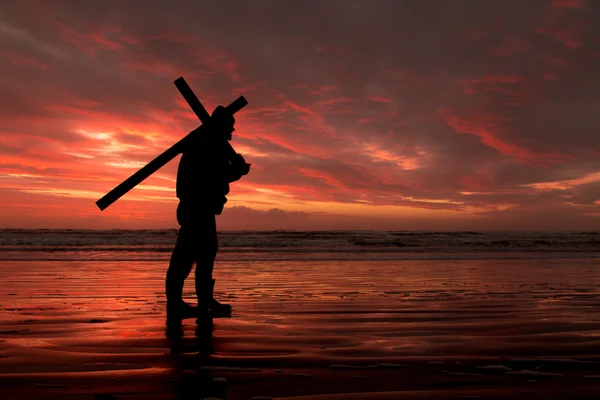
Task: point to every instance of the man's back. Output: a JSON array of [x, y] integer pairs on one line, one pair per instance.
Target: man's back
[[205, 172]]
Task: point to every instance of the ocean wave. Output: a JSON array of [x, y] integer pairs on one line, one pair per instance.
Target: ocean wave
[[116, 243], [295, 256], [307, 249]]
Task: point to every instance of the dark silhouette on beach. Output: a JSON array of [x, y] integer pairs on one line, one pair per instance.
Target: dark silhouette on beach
[[208, 165], [203, 178]]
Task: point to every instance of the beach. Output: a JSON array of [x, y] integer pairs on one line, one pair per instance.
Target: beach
[[312, 329]]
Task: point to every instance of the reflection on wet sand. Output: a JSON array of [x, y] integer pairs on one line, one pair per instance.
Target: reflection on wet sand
[[495, 328]]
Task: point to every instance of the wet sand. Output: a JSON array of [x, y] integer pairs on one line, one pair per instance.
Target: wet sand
[[326, 330]]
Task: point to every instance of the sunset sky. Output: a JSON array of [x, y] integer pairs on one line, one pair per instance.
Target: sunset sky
[[402, 115]]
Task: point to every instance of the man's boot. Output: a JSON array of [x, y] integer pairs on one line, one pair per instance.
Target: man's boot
[[177, 309], [203, 292], [181, 310], [214, 305]]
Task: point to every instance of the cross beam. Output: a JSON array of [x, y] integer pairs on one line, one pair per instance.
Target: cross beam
[[173, 151]]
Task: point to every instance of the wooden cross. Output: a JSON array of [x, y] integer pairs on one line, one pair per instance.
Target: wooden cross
[[174, 150]]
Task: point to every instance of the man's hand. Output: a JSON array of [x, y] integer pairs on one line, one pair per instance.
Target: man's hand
[[245, 168], [242, 165]]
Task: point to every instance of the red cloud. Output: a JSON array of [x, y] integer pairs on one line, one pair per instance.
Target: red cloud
[[175, 36], [486, 126], [551, 76], [92, 42], [323, 176], [493, 83], [156, 66], [19, 59], [380, 99], [219, 62], [498, 79], [568, 37], [483, 179]]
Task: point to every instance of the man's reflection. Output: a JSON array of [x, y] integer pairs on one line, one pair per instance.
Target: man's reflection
[[192, 353]]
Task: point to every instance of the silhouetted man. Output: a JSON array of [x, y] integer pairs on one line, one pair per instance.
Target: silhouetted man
[[203, 181]]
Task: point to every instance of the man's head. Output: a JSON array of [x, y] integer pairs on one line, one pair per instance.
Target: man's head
[[222, 122]]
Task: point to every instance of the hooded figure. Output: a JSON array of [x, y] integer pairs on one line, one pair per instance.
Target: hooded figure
[[203, 179]]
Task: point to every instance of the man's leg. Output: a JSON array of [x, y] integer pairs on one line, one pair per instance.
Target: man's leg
[[205, 261], [206, 252], [182, 260]]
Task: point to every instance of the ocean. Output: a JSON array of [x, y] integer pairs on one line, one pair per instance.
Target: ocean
[[156, 245]]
